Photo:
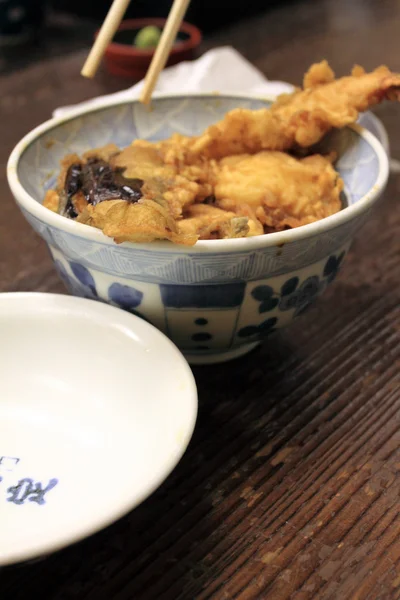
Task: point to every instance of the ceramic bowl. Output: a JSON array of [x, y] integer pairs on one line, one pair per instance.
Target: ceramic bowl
[[220, 298], [86, 430], [123, 59]]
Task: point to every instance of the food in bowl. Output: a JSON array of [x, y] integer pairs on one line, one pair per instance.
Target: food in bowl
[[252, 173], [216, 299]]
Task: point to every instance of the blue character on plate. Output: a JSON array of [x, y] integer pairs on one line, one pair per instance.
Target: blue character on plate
[[28, 489]]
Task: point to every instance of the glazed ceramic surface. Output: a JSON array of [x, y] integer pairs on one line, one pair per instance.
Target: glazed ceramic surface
[[87, 431], [221, 297]]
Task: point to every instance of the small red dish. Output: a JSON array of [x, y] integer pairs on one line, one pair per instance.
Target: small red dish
[[123, 59]]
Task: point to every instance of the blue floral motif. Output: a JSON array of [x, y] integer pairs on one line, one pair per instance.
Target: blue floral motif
[[262, 330], [126, 297], [301, 296], [266, 296], [289, 286], [292, 296], [332, 267], [83, 286], [84, 277], [307, 293]]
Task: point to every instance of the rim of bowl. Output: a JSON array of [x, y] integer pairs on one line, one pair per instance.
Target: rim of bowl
[[35, 208], [116, 49], [384, 138]]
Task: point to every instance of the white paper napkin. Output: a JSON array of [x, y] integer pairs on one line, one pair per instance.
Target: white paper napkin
[[218, 70]]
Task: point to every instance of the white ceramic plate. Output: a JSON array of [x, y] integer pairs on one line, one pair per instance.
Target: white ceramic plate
[[96, 409]]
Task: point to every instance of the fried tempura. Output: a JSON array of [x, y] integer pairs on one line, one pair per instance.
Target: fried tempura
[[180, 188], [234, 180], [144, 221], [283, 191], [52, 200], [301, 118], [211, 223]]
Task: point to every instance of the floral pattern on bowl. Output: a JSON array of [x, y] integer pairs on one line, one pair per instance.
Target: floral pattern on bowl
[[294, 295], [81, 283], [202, 321]]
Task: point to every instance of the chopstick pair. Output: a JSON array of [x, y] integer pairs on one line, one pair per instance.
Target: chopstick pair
[[110, 26]]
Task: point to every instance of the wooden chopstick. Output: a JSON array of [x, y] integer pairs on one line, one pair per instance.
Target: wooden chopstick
[[105, 36], [161, 54]]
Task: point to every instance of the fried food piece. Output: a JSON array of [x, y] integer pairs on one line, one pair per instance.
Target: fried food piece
[[211, 223], [66, 163], [255, 225], [298, 119], [178, 192], [52, 200], [144, 221], [143, 160], [150, 215], [283, 191], [234, 180], [71, 199], [326, 103], [66, 203], [103, 153], [146, 159]]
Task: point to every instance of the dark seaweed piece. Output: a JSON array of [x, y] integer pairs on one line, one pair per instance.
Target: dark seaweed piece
[[131, 188], [73, 183], [100, 182]]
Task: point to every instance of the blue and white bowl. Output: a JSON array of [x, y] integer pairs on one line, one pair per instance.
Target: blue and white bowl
[[220, 298]]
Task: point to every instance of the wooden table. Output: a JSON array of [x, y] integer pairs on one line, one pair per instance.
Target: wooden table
[[291, 485]]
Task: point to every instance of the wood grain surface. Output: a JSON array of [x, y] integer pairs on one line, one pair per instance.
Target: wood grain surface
[[290, 488]]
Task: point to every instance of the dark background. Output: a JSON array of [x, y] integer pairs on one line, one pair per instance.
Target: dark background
[[206, 14], [32, 30]]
